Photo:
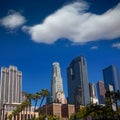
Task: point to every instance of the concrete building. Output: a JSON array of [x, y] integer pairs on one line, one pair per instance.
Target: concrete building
[[57, 93], [77, 77], [101, 92], [10, 88], [10, 85], [93, 97], [26, 114]]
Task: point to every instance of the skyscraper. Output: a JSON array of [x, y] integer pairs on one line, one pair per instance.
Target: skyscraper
[[10, 85], [57, 92], [101, 92], [77, 77], [92, 90], [111, 78]]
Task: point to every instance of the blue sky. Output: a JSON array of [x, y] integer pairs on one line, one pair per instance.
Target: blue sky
[[36, 33]]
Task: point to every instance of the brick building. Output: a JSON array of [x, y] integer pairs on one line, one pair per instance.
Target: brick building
[[63, 111]]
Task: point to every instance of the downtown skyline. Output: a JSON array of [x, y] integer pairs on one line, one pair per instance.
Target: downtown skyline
[[33, 52]]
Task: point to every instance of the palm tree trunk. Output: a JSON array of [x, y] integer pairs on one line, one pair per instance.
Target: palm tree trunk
[[35, 107], [29, 116], [42, 101]]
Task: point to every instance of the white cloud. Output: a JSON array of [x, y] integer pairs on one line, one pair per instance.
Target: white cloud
[[116, 45], [12, 20], [94, 47], [74, 23]]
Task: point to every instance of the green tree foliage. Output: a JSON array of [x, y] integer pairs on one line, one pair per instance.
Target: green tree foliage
[[95, 112], [19, 109], [99, 112], [27, 103]]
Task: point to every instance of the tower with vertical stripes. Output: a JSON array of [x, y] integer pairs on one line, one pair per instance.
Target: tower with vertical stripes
[[57, 92], [10, 85]]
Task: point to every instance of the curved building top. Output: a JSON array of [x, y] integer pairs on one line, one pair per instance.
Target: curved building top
[[77, 59]]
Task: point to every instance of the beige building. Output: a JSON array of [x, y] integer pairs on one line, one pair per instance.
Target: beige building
[[63, 111], [57, 92], [10, 85], [60, 98], [27, 113]]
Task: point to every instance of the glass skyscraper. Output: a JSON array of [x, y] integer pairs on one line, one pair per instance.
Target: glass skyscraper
[[77, 77], [111, 78], [10, 85]]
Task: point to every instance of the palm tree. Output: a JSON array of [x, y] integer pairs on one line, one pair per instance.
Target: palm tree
[[19, 109], [36, 97], [44, 94], [29, 98], [27, 103]]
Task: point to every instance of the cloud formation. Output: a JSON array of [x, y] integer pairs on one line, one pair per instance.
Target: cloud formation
[[72, 22], [116, 45], [94, 47], [12, 20]]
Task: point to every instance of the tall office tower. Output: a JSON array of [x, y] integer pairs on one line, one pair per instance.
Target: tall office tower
[[111, 78], [10, 85], [92, 90], [57, 85], [93, 97], [101, 92], [78, 89]]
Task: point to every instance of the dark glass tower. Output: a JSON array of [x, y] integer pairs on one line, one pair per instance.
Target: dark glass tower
[[111, 78], [78, 89]]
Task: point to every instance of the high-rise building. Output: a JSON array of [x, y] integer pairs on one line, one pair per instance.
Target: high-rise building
[[57, 92], [111, 78], [77, 77], [10, 85], [101, 92], [92, 89]]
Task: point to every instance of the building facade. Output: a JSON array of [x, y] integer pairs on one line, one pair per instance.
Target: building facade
[[111, 78], [92, 90], [57, 93], [93, 97], [101, 92], [77, 77], [25, 114], [63, 111], [10, 85]]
